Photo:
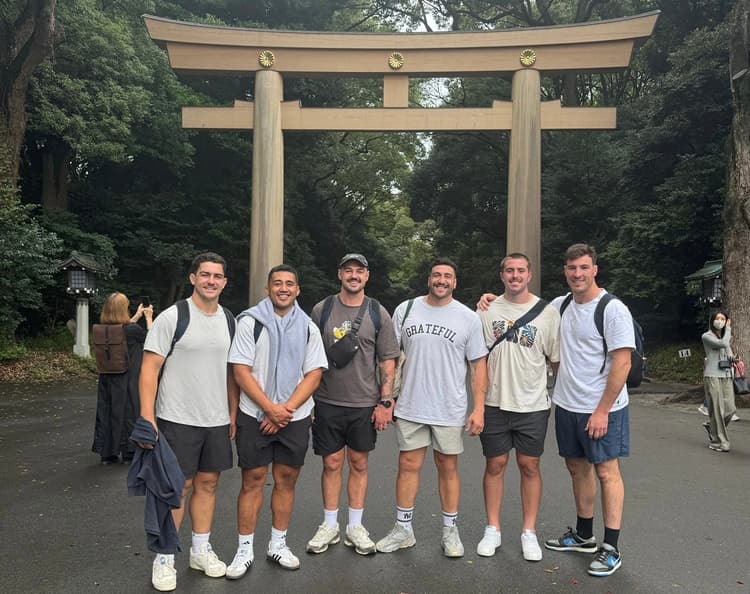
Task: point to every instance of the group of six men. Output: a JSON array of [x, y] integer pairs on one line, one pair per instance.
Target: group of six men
[[280, 378]]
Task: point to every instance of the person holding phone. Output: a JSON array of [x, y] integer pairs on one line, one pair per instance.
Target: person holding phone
[[717, 380]]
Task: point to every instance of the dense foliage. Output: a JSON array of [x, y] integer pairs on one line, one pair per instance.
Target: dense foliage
[[106, 159]]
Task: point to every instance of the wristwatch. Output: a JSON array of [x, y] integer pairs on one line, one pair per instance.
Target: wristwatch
[[386, 403]]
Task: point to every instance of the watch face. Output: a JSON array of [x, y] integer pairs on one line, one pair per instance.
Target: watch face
[[386, 403]]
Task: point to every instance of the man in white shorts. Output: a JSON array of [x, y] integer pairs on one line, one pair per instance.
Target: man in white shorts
[[438, 335]]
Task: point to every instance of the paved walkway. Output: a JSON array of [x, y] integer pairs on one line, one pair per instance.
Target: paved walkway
[[68, 526]]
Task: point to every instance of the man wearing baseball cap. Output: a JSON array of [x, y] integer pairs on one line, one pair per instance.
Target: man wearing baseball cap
[[350, 406]]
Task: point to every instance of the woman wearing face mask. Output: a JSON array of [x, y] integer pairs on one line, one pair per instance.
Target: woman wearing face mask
[[717, 379]]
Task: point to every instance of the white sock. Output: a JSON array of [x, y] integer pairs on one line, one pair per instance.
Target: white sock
[[277, 536], [527, 531], [166, 558], [450, 519], [200, 541], [246, 541], [331, 517], [355, 517], [404, 517]]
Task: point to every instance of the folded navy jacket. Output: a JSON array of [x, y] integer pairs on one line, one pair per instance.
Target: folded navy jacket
[[156, 474]]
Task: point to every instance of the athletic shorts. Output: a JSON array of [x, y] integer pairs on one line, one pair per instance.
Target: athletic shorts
[[198, 449], [255, 449], [413, 436], [505, 430], [337, 426], [574, 442]]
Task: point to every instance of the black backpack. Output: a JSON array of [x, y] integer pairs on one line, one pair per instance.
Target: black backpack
[[183, 319], [637, 367], [374, 312]]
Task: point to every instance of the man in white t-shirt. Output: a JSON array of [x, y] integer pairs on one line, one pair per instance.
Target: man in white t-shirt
[[278, 359], [438, 335], [192, 408], [517, 404], [591, 414]]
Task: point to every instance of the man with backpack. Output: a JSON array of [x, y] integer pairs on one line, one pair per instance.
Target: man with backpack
[[278, 359], [350, 406], [591, 415], [522, 332], [186, 364]]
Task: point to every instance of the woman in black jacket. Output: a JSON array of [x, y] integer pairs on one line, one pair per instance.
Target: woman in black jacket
[[117, 405]]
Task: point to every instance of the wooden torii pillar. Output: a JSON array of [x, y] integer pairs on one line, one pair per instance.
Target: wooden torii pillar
[[273, 55]]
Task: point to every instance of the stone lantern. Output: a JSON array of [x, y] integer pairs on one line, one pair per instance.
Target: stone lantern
[[81, 272], [710, 277]]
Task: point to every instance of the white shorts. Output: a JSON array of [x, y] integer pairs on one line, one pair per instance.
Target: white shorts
[[413, 436]]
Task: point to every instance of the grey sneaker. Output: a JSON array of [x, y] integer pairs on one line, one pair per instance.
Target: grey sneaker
[[490, 542], [398, 538], [163, 574], [324, 536], [570, 541], [359, 538], [451, 542], [606, 562], [206, 561]]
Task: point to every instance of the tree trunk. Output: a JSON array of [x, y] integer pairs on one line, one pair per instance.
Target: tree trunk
[[25, 43], [736, 265], [55, 168]]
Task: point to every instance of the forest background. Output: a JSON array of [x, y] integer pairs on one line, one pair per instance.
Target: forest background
[[105, 167]]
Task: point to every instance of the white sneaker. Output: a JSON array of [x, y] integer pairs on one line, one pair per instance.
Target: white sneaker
[[281, 554], [734, 417], [324, 536], [240, 564], [451, 542], [703, 409], [398, 538], [163, 574], [207, 562], [359, 538], [490, 542], [530, 547]]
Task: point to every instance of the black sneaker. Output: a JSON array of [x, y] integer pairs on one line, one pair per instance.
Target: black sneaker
[[606, 562], [570, 541]]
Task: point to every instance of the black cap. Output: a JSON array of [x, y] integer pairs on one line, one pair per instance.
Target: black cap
[[356, 257]]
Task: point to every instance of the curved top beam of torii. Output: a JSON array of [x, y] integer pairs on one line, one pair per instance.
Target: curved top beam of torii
[[600, 45]]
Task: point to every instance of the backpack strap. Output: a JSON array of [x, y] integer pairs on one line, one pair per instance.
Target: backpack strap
[[521, 322], [325, 313], [566, 302], [375, 316], [231, 322], [183, 319], [599, 323]]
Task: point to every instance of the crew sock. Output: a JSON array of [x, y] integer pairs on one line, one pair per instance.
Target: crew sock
[[450, 519], [277, 536], [200, 541], [404, 517], [611, 536], [355, 517], [331, 517], [585, 527]]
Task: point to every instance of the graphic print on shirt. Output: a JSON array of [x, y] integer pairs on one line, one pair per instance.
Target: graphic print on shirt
[[340, 331], [525, 337], [434, 329]]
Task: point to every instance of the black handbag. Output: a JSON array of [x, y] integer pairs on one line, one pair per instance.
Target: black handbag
[[343, 350], [741, 385], [725, 364]]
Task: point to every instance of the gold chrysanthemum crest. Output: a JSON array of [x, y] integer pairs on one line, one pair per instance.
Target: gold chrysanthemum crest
[[527, 57], [396, 61], [266, 58]]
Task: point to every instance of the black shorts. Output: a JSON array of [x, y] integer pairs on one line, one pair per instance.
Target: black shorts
[[198, 449], [337, 426], [504, 430], [255, 449]]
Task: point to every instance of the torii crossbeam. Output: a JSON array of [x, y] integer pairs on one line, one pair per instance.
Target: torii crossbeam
[[273, 55]]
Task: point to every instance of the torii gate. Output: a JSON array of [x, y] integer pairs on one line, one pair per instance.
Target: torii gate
[[272, 55]]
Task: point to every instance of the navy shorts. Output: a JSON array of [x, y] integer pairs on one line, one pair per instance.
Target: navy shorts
[[574, 442], [256, 449], [198, 449], [505, 430], [337, 426]]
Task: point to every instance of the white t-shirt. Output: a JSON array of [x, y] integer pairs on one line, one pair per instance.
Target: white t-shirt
[[193, 385], [437, 342], [517, 367], [245, 352], [579, 386]]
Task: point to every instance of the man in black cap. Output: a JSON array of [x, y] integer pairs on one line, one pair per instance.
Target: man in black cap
[[350, 406]]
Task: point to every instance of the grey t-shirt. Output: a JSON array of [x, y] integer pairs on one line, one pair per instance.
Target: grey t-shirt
[[193, 385], [356, 384], [438, 342]]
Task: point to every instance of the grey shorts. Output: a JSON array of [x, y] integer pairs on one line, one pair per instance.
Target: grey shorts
[[198, 449], [413, 436], [505, 430], [255, 449]]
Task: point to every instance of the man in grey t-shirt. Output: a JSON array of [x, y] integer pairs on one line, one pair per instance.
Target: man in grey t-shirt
[[349, 404], [438, 335]]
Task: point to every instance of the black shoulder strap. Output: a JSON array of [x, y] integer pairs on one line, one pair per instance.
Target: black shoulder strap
[[521, 322], [326, 312], [183, 319], [360, 314], [566, 302], [599, 322], [406, 313], [231, 322], [375, 316]]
